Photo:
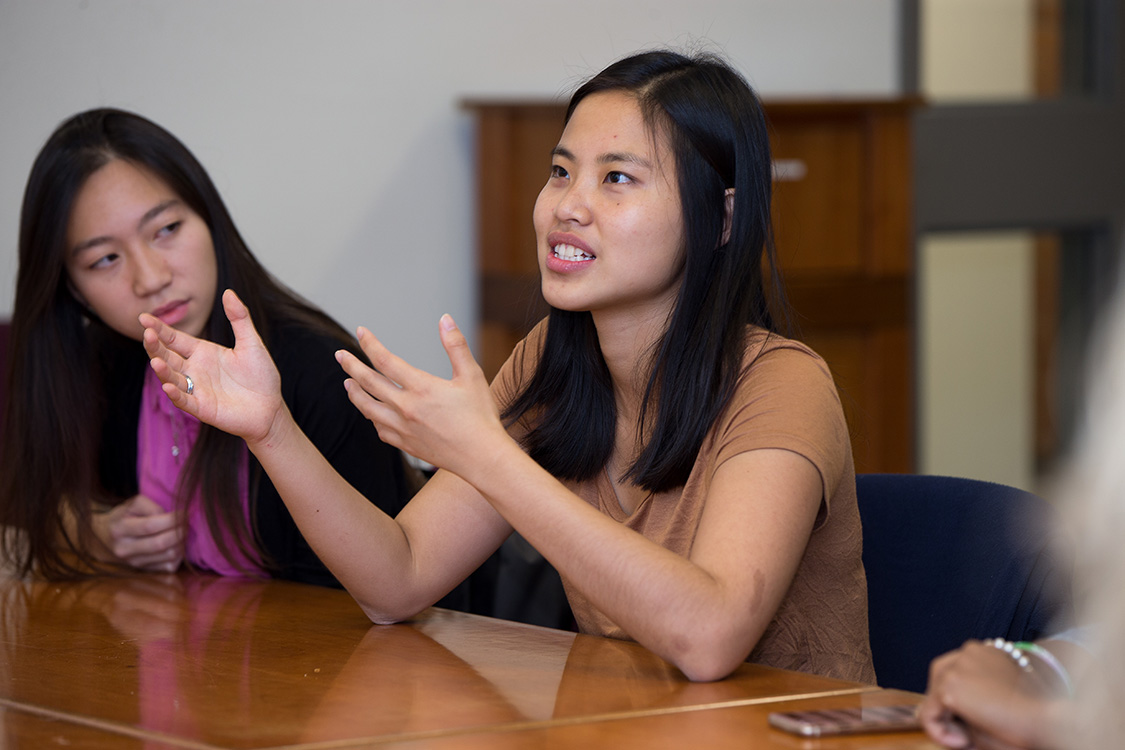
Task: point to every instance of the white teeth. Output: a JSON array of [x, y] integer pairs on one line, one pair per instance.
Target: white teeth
[[570, 252]]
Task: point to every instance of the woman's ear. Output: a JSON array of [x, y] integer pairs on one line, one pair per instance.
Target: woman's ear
[[728, 214]]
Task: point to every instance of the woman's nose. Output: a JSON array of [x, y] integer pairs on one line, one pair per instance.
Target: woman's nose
[[574, 204], [151, 271]]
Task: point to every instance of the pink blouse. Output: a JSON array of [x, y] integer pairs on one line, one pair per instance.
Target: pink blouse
[[165, 436]]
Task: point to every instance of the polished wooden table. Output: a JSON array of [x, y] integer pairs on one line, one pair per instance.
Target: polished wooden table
[[193, 661]]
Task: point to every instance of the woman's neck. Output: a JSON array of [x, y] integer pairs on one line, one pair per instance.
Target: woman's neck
[[628, 333], [627, 345]]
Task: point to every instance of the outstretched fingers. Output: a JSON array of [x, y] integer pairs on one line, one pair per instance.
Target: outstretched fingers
[[168, 351], [178, 386], [245, 334], [391, 374], [359, 386], [366, 387], [165, 342], [390, 371], [457, 349], [430, 417], [381, 392], [237, 390]]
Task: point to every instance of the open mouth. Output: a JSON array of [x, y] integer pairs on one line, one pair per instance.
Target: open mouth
[[571, 253]]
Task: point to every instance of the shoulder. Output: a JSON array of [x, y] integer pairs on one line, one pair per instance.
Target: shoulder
[[775, 365], [785, 371], [786, 398], [521, 364], [766, 351]]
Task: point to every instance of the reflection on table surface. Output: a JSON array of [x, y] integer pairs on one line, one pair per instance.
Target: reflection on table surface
[[193, 660], [739, 726]]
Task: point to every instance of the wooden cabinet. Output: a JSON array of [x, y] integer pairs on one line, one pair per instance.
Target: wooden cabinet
[[842, 215]]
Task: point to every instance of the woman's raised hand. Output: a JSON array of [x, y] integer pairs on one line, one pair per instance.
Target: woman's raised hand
[[448, 423], [236, 390]]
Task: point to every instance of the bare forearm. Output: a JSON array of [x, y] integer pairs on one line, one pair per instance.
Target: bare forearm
[[363, 547], [704, 612], [666, 602]]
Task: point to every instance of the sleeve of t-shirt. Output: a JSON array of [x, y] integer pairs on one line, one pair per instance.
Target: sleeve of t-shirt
[[516, 371], [786, 399]]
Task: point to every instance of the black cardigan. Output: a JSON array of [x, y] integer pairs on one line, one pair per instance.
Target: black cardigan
[[312, 387]]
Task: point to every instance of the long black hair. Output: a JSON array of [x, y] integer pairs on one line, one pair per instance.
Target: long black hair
[[49, 465], [718, 134]]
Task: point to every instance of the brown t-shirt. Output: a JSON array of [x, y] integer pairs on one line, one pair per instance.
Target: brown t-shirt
[[785, 399]]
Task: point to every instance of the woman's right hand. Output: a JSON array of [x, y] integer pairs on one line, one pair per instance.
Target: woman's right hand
[[142, 535], [978, 697], [236, 390]]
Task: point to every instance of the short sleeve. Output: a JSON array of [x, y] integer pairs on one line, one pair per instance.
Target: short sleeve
[[516, 371], [786, 399]]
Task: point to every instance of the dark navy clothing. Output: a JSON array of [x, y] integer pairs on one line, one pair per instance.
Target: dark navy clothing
[[312, 385]]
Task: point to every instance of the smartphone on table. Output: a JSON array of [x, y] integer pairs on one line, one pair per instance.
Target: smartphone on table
[[828, 721]]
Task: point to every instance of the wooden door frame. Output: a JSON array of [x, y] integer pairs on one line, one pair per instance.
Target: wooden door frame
[[1054, 164]]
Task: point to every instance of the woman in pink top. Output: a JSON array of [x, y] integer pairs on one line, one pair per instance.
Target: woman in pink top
[[685, 468], [97, 471]]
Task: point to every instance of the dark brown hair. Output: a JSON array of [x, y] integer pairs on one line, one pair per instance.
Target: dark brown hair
[[717, 132], [52, 431]]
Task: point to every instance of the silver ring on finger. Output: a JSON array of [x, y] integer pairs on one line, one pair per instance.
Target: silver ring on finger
[[190, 384]]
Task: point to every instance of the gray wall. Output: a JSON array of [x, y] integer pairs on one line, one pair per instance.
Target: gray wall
[[333, 128]]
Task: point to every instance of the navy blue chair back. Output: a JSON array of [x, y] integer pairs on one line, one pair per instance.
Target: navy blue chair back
[[949, 559]]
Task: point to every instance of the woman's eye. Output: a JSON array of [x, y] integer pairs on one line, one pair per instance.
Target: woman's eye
[[104, 261], [557, 171], [169, 229], [618, 178]]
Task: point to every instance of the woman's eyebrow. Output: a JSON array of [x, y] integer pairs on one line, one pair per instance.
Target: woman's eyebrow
[[148, 216], [624, 156], [611, 157], [156, 210]]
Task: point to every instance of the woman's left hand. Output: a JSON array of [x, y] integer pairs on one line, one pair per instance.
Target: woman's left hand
[[236, 390], [445, 422]]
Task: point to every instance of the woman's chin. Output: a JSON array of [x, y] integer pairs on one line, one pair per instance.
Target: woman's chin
[[562, 300]]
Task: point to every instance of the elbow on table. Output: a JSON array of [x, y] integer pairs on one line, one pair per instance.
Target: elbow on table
[[380, 618], [709, 656], [381, 614], [708, 667], [388, 603]]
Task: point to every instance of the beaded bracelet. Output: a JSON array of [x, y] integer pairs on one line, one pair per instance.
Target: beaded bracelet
[[1052, 661], [1019, 652], [1012, 650]]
